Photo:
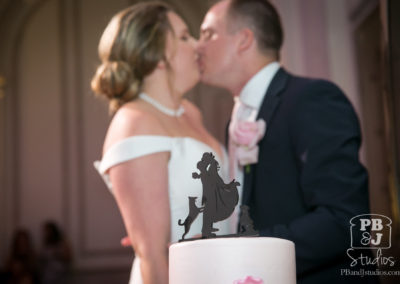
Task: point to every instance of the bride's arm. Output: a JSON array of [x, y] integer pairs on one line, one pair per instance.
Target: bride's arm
[[141, 190]]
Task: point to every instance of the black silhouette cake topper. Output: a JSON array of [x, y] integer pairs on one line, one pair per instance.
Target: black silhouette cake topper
[[218, 202]]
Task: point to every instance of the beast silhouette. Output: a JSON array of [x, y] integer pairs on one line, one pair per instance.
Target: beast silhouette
[[245, 222]]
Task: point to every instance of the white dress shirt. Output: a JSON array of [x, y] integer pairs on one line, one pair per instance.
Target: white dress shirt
[[252, 94], [248, 103]]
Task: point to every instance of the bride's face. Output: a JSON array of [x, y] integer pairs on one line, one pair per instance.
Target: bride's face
[[181, 55]]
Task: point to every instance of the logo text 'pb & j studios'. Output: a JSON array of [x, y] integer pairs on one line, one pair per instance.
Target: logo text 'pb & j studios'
[[370, 231]]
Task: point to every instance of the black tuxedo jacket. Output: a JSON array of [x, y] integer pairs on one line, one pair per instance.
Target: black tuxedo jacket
[[308, 182]]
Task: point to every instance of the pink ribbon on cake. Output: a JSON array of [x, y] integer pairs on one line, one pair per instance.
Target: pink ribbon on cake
[[249, 280]]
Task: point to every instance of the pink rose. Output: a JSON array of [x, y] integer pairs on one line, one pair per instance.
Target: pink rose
[[246, 135], [249, 280]]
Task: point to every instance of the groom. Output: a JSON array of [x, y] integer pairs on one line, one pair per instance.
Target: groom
[[305, 181]]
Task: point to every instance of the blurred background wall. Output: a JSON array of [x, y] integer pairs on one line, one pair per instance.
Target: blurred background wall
[[52, 127]]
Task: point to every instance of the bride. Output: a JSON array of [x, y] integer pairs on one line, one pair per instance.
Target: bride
[[156, 137]]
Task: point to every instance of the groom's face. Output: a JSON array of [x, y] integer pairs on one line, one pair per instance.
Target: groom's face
[[215, 47]]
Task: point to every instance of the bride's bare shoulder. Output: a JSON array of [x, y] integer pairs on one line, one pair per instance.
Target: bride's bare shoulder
[[130, 120]]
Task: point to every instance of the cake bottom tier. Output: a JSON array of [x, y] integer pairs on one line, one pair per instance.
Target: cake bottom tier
[[227, 260]]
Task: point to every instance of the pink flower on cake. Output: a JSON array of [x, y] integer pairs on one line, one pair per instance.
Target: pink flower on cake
[[246, 135], [249, 280]]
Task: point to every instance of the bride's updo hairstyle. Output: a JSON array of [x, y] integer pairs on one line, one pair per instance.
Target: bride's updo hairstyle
[[132, 44]]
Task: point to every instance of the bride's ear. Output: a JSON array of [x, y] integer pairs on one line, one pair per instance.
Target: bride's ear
[[161, 64], [164, 62], [245, 40]]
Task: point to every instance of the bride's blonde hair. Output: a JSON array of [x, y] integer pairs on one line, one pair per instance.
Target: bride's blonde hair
[[132, 44]]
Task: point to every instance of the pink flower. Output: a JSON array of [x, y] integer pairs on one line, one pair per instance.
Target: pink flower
[[246, 135], [249, 280]]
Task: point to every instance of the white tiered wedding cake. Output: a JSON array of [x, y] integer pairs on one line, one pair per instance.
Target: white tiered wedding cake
[[233, 260]]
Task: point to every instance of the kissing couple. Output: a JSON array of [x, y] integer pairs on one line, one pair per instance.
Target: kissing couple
[[293, 142]]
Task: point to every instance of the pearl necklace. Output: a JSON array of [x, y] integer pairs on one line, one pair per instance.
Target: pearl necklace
[[162, 108]]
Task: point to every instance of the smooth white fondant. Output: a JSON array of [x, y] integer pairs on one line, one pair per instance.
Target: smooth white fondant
[[225, 260]]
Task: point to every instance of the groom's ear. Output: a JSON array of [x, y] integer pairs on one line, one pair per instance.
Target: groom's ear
[[246, 39]]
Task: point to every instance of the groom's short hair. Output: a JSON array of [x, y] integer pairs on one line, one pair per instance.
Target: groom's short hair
[[262, 18]]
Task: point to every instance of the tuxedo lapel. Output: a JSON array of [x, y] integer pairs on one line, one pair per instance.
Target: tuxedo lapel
[[272, 97], [267, 110]]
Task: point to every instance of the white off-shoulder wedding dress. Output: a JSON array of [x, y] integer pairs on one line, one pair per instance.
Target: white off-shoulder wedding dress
[[185, 153]]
